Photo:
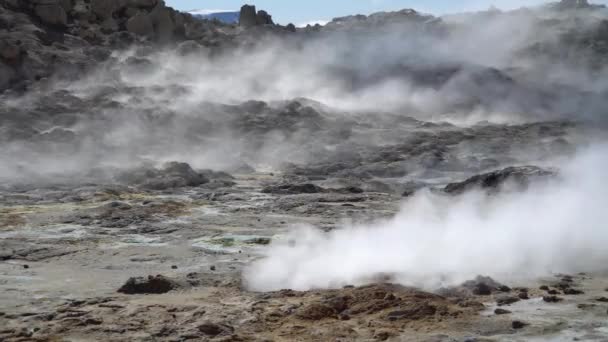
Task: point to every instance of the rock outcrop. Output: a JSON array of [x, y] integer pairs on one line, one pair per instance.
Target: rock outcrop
[[40, 37], [249, 17], [519, 177]]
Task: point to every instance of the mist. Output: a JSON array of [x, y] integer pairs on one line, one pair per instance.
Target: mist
[[436, 240], [122, 113]]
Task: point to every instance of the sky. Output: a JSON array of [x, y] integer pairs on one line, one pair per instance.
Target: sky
[[304, 11]]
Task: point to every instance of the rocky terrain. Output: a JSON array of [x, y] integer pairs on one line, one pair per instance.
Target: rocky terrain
[[391, 177]]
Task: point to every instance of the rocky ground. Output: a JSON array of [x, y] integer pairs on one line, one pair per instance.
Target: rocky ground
[[68, 253], [147, 160]]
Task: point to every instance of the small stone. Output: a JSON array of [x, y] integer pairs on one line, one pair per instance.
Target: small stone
[[26, 266], [544, 288], [213, 329], [572, 291], [552, 299], [518, 324], [504, 288], [506, 300], [343, 317], [501, 312], [523, 295], [552, 292], [602, 299], [174, 267], [212, 268]]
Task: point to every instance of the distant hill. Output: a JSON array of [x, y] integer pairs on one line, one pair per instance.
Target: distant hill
[[225, 16]]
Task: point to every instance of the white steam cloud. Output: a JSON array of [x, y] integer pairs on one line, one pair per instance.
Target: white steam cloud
[[436, 240]]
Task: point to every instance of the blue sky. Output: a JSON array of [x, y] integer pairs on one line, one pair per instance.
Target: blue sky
[[301, 11]]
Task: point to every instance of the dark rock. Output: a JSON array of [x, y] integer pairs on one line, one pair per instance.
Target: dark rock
[[482, 286], [585, 306], [553, 292], [141, 24], [482, 289], [7, 75], [163, 23], [518, 324], [504, 288], [214, 329], [383, 335], [523, 295], [501, 311], [552, 299], [419, 311], [104, 9], [544, 288], [316, 312], [248, 16], [506, 300], [26, 266], [518, 176], [602, 299], [150, 285], [572, 292], [52, 14], [291, 27], [263, 18], [169, 176], [291, 189]]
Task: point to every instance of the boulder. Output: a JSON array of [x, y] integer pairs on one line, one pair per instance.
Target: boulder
[[171, 175], [67, 5], [104, 9], [51, 14], [81, 10], [163, 24], [291, 27], [519, 176], [109, 25], [7, 74], [10, 50], [263, 18], [140, 24], [248, 16]]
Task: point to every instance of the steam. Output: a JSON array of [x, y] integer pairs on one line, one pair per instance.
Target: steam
[[436, 240], [172, 106]]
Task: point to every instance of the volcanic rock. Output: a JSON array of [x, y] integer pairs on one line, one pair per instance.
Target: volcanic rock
[[214, 329], [290, 189], [140, 24], [248, 16], [521, 177], [150, 285], [552, 299], [171, 175], [52, 14], [263, 18]]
